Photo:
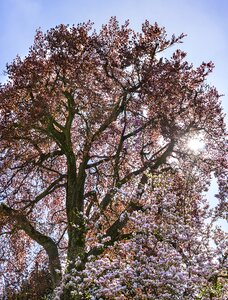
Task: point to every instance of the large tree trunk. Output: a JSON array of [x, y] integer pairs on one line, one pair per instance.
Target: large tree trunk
[[75, 219], [74, 209]]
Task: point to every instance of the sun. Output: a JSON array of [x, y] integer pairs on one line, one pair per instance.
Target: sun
[[196, 144]]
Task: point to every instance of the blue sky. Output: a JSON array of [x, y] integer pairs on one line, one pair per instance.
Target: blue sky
[[204, 21]]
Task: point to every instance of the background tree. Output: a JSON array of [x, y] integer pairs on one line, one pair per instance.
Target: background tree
[[96, 174]]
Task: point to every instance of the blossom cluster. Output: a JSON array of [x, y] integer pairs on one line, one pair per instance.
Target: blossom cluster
[[169, 255]]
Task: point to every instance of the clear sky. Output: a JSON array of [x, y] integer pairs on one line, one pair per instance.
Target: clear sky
[[204, 21]]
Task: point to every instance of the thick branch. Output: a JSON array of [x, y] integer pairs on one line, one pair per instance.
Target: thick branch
[[150, 164], [139, 129], [46, 242], [156, 164], [46, 156], [118, 108], [50, 189], [118, 151], [114, 230]]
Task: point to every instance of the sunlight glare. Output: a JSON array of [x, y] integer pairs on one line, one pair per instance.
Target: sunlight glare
[[196, 144]]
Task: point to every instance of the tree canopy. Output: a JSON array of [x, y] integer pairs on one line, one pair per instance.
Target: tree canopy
[[98, 182]]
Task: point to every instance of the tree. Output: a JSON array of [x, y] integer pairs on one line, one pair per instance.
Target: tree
[[97, 179]]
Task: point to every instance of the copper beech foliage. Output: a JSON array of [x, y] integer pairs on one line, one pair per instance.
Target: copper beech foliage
[[97, 180]]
